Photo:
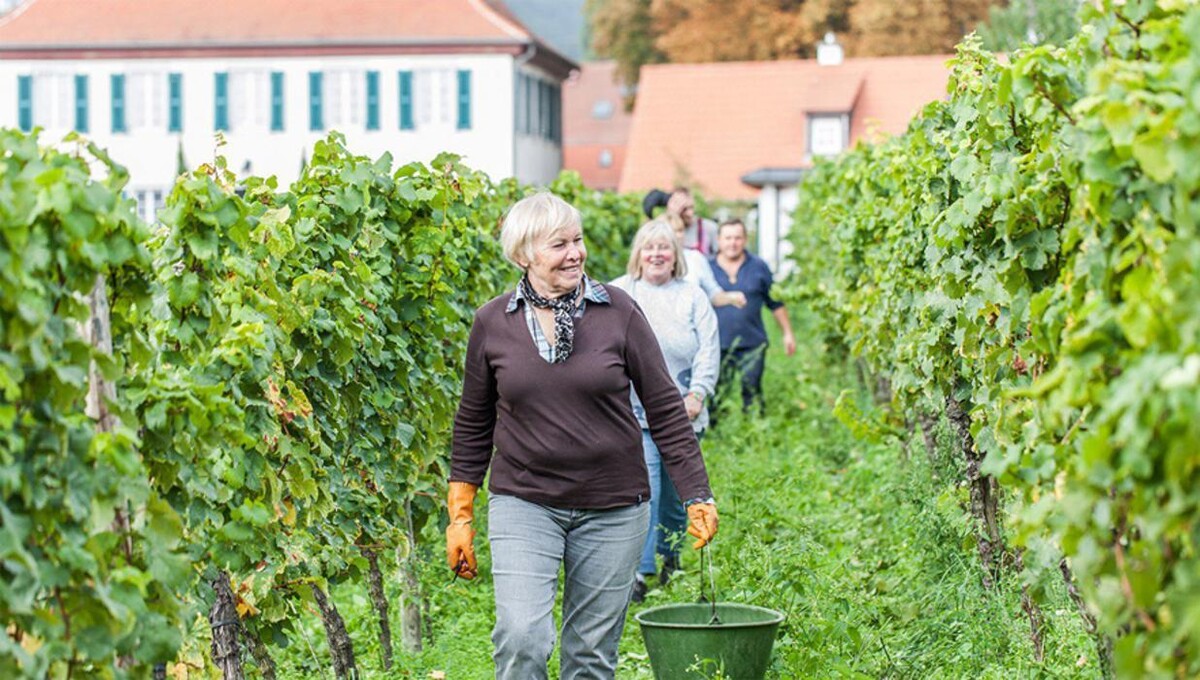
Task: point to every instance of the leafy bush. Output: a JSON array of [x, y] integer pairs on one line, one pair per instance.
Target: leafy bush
[[1026, 256], [285, 373]]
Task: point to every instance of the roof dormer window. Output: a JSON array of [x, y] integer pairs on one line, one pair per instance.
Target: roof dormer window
[[828, 134]]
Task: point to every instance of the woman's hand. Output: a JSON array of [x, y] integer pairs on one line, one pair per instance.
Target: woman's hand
[[460, 536], [702, 523], [694, 404]]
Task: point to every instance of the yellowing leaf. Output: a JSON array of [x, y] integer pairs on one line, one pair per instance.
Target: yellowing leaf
[[286, 512], [245, 609]]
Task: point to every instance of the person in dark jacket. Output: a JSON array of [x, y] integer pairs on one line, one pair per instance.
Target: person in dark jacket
[[545, 405]]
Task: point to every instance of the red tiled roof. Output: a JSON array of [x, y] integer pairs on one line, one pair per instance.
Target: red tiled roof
[[149, 24], [584, 135], [899, 87], [707, 125], [830, 92]]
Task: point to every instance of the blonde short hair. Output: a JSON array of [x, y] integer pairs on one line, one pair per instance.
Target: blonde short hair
[[652, 231], [531, 219]]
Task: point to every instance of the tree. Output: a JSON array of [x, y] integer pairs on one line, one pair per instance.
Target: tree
[[716, 30], [621, 30], [637, 32], [887, 28], [181, 166], [1025, 22]]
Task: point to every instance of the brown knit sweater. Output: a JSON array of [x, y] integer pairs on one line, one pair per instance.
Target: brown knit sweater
[[564, 434]]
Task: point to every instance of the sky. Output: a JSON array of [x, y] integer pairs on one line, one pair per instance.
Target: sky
[[557, 22]]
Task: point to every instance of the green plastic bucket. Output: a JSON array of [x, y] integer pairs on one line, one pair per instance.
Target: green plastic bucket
[[679, 637]]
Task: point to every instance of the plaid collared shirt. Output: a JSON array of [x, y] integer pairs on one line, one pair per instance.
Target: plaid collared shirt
[[592, 292]]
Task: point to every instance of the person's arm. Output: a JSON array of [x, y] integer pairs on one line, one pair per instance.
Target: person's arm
[[471, 445], [717, 296], [779, 312], [706, 363], [669, 425], [785, 324], [727, 298], [670, 428], [471, 453]]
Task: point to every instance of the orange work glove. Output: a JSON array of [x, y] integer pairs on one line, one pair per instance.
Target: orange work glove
[[460, 536], [702, 523]]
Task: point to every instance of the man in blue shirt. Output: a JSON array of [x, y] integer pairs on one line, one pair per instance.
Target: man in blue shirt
[[743, 337]]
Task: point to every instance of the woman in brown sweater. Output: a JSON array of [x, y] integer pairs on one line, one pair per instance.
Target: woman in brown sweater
[[546, 407]]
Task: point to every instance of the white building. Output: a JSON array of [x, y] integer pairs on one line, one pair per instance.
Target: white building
[[147, 78]]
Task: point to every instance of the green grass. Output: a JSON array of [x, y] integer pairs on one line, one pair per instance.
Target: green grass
[[867, 553]]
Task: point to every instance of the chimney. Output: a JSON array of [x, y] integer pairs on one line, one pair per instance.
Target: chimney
[[829, 51]]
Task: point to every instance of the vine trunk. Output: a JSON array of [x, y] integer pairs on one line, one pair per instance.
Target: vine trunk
[[379, 598], [223, 618], [341, 647], [985, 495]]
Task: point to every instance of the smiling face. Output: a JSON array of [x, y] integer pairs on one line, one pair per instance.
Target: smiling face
[[658, 261], [557, 265]]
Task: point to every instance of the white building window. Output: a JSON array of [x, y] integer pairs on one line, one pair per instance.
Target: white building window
[[249, 100], [53, 100], [146, 101], [149, 202], [827, 134], [345, 99], [433, 91]]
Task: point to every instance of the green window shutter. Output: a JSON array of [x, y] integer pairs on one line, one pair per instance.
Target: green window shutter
[[372, 100], [277, 101], [464, 100], [406, 102], [81, 103], [118, 102], [221, 101], [174, 102], [316, 106], [25, 102]]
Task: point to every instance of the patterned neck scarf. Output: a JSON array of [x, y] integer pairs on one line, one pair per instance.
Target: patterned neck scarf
[[564, 317]]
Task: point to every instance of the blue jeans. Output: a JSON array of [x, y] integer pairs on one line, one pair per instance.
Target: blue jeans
[[668, 519], [598, 550]]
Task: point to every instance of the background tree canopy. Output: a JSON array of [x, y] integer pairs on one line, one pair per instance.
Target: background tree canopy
[[637, 32]]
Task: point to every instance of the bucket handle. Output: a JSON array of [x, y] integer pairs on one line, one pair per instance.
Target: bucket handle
[[713, 620]]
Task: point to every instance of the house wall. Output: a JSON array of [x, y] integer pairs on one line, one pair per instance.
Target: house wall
[[150, 154], [774, 217], [537, 153]]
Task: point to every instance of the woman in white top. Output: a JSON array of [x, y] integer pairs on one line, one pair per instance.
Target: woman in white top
[[685, 325]]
